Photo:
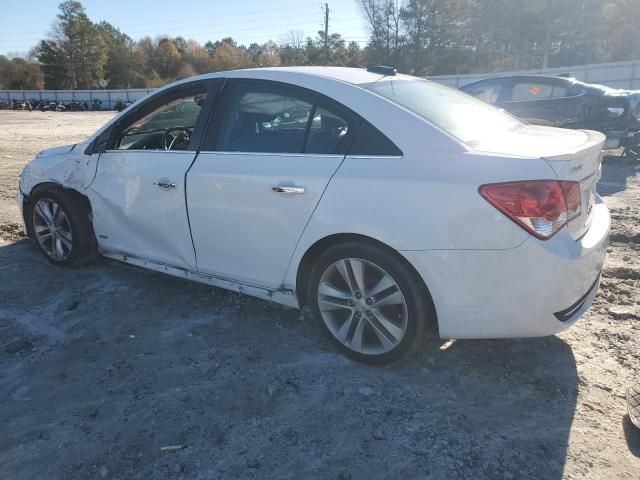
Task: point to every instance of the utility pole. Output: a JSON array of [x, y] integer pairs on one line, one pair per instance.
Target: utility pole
[[547, 35], [326, 33]]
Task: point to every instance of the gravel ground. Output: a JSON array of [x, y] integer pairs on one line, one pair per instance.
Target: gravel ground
[[113, 372]]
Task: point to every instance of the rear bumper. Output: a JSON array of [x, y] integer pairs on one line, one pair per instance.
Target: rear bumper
[[517, 292]]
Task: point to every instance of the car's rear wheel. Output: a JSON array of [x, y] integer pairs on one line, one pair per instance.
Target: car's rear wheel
[[369, 302], [58, 222]]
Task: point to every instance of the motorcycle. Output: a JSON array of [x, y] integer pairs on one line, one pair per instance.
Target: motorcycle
[[52, 107], [76, 106]]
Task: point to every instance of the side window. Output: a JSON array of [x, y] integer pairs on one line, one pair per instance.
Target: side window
[[264, 120], [327, 133], [527, 91], [267, 117], [371, 142], [165, 124], [487, 92], [574, 91]]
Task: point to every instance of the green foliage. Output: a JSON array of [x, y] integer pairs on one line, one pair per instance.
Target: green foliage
[[422, 37], [20, 74], [77, 46]]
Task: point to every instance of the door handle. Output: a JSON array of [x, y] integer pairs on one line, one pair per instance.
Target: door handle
[[164, 184], [287, 189]]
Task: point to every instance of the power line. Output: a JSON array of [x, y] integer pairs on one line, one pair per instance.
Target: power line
[[207, 27], [172, 21]]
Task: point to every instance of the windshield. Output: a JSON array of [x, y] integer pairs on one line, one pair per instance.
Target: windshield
[[457, 113]]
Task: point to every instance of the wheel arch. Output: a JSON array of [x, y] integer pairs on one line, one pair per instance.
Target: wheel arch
[[50, 185], [321, 245]]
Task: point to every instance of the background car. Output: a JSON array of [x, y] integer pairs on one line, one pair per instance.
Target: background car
[[392, 206], [567, 103]]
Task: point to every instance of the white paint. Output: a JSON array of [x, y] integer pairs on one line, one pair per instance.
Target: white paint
[[234, 212], [487, 276], [131, 214]]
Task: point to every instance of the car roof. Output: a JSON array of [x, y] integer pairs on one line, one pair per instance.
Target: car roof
[[351, 75], [354, 76]]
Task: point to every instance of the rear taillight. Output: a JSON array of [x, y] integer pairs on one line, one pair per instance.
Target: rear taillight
[[541, 207]]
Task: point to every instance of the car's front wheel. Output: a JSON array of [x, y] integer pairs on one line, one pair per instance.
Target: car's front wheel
[[369, 301], [58, 222]]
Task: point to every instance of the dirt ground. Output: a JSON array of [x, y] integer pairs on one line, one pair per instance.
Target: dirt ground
[[113, 372]]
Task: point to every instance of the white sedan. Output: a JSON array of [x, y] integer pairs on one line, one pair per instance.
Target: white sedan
[[392, 207]]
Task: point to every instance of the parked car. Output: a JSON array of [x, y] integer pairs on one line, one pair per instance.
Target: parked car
[[567, 103], [391, 206]]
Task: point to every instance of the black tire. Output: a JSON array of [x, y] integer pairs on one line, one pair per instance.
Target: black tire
[[421, 318], [76, 208]]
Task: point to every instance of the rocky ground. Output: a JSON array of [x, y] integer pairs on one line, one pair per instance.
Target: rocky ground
[[113, 372]]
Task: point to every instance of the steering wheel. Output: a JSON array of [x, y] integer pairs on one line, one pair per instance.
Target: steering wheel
[[173, 136]]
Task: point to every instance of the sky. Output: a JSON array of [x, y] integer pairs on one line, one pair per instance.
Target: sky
[[24, 22]]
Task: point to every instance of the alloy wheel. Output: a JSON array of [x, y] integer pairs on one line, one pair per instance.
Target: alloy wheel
[[362, 306], [52, 229]]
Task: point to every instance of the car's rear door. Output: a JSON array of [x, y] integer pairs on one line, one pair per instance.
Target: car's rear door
[[267, 157], [541, 101], [138, 197]]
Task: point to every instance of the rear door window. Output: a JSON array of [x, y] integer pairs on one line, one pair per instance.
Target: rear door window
[[273, 117], [261, 119], [529, 91], [328, 132]]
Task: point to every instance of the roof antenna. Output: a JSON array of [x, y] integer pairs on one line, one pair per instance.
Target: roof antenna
[[382, 70]]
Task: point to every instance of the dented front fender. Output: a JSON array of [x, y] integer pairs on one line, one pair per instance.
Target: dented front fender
[[67, 166]]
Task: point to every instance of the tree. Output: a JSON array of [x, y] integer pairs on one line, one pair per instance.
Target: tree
[[421, 37], [124, 65], [383, 18], [77, 46], [20, 74], [292, 51]]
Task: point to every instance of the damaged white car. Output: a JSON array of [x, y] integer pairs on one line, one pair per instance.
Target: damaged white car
[[391, 206]]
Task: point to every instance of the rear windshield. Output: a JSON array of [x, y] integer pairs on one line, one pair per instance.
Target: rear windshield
[[457, 113]]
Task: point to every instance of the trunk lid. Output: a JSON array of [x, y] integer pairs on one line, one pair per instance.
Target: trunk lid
[[572, 154], [581, 165]]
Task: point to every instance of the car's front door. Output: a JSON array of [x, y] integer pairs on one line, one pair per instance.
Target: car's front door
[[266, 160], [138, 196]]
